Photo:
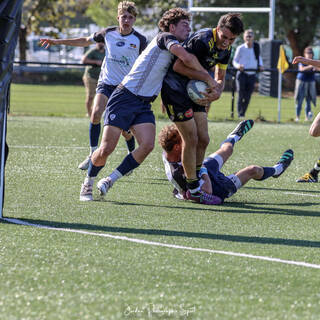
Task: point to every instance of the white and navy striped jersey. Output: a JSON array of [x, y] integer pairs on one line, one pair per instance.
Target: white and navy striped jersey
[[121, 51], [175, 174], [146, 76]]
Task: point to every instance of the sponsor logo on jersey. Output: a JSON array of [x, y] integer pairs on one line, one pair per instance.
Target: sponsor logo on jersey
[[132, 45], [120, 43], [170, 108], [124, 61], [180, 115], [188, 113], [211, 44], [112, 116]]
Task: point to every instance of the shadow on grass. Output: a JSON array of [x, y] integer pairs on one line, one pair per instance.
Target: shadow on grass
[[235, 207], [172, 233], [283, 190]]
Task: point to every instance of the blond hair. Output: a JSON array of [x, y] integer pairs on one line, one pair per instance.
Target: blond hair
[[127, 6]]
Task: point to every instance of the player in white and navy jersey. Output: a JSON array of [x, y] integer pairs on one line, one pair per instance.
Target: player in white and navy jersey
[[129, 106], [122, 47], [216, 185]]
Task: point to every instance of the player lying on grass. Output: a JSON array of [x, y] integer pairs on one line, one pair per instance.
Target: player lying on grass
[[213, 182]]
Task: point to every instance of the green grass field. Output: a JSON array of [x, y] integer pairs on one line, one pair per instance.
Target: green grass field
[[68, 101], [141, 254]]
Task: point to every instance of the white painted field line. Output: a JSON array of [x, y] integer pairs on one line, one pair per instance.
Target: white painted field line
[[302, 194], [166, 245], [47, 147], [53, 147]]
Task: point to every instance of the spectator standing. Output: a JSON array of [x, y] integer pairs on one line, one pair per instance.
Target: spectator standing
[[305, 86], [94, 58], [247, 56]]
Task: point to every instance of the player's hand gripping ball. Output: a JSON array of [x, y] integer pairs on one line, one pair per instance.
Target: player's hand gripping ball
[[195, 89]]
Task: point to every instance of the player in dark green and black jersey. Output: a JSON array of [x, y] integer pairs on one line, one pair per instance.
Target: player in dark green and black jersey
[[212, 47]]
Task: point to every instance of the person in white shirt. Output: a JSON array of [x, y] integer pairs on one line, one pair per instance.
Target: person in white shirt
[[246, 58]]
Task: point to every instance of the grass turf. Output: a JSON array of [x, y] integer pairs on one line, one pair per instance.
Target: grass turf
[[68, 101], [48, 274]]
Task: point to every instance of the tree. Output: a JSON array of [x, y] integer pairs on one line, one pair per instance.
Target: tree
[[103, 13], [296, 22], [56, 13]]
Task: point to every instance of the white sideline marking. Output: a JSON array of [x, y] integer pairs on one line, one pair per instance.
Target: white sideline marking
[[54, 147], [166, 245], [303, 194], [47, 147]]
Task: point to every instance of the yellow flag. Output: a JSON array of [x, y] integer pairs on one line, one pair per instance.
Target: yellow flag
[[283, 64]]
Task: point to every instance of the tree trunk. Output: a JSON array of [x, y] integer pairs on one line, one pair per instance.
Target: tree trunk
[[294, 44]]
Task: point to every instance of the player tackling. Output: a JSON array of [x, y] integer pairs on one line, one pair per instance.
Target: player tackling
[[129, 107]]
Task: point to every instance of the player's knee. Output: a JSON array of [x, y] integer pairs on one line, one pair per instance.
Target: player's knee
[[191, 139], [314, 132], [96, 115], [204, 141], [255, 171], [147, 147], [105, 150]]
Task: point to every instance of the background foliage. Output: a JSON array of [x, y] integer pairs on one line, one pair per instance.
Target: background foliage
[[296, 22]]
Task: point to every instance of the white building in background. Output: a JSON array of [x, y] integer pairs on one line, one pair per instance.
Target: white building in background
[[62, 53]]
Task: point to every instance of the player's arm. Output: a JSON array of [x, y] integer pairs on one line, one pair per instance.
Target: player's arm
[[188, 65], [181, 68], [305, 68], [212, 95], [315, 127], [206, 185], [220, 76], [315, 63], [75, 42]]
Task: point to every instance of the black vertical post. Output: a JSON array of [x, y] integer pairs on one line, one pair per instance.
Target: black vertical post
[[10, 18], [233, 89]]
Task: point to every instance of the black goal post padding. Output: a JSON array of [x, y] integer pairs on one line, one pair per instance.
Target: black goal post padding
[[10, 17]]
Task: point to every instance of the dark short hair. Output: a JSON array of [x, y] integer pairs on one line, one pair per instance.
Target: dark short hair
[[308, 50], [173, 16], [233, 22]]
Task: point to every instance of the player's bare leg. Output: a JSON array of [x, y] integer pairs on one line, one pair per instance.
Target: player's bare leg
[[189, 136], [108, 143], [145, 135], [99, 105], [203, 136]]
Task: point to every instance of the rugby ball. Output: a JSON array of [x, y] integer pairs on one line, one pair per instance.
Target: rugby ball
[[195, 89]]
